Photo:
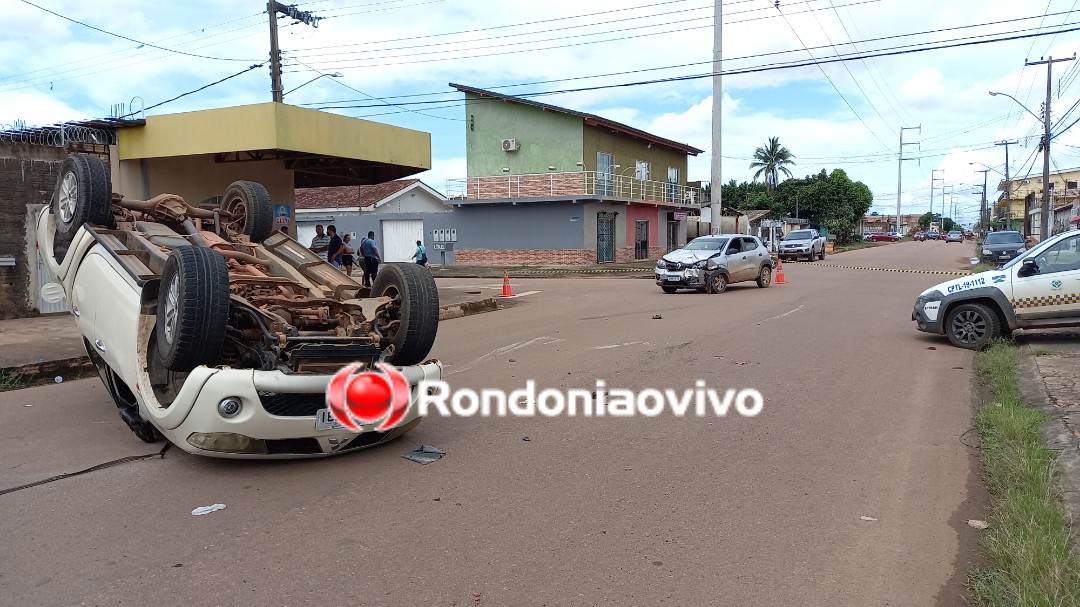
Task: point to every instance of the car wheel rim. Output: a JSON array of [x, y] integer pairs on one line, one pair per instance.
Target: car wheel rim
[[719, 283], [969, 327], [766, 277], [68, 190], [237, 210], [172, 300]]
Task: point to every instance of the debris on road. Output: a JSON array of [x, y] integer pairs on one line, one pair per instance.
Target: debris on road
[[526, 439], [201, 510], [513, 360], [424, 454], [978, 524], [657, 317], [867, 518], [741, 362], [931, 348]]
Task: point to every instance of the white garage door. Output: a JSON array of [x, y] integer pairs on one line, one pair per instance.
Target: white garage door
[[400, 237]]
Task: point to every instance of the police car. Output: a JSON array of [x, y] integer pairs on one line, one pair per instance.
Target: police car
[[1038, 289]]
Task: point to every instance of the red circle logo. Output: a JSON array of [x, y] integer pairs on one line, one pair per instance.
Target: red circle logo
[[368, 397]]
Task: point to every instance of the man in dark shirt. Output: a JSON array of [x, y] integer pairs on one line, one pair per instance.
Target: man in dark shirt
[[335, 248], [371, 258]]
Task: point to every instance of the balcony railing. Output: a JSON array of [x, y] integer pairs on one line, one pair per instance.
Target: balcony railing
[[580, 183]]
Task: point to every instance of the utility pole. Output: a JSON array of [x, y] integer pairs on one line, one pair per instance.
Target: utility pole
[[900, 170], [942, 226], [717, 95], [1008, 183], [982, 212], [932, 180], [273, 7], [1044, 230]]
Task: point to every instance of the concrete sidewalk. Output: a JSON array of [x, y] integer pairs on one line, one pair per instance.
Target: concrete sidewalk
[[635, 269], [47, 345]]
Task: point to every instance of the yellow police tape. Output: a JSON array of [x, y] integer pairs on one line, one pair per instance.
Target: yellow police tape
[[905, 271]]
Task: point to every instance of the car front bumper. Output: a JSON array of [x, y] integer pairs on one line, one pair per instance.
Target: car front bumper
[[921, 315], [279, 416], [998, 256], [793, 251], [690, 278]]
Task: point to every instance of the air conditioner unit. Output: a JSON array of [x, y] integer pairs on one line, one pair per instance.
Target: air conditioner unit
[[510, 145]]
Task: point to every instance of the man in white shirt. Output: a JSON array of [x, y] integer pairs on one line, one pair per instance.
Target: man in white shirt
[[321, 243]]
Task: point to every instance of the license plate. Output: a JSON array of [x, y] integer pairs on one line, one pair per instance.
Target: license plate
[[1003, 256], [673, 277], [324, 420]]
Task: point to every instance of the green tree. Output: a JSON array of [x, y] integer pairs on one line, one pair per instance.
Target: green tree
[[925, 220], [770, 161], [831, 201]]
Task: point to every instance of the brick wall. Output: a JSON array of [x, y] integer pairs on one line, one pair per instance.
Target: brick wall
[[526, 186], [524, 257], [27, 175], [542, 257]]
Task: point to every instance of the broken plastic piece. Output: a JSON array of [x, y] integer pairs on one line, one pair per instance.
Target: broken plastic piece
[[867, 518], [424, 454], [978, 524]]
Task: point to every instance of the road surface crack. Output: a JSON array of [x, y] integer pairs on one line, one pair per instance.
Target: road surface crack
[[115, 462]]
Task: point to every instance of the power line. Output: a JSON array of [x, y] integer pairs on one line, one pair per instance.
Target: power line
[[202, 88], [98, 29]]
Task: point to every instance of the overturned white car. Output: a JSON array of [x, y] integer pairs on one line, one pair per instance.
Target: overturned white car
[[214, 331]]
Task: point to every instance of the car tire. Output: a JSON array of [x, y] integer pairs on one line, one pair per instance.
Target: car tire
[[83, 194], [716, 283], [192, 308], [668, 290], [821, 255], [764, 279], [250, 202], [972, 326], [415, 308]]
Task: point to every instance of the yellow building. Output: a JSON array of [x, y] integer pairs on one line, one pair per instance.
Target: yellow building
[[1020, 205]]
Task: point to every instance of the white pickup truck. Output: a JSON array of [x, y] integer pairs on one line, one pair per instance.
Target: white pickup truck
[[802, 243]]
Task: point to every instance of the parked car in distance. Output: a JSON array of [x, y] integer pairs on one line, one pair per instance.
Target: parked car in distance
[[932, 235], [884, 237], [802, 243], [1002, 246], [954, 236], [920, 236], [711, 263]]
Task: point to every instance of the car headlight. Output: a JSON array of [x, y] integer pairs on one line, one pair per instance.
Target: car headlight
[[1021, 250], [928, 297], [987, 252], [660, 263], [701, 264]]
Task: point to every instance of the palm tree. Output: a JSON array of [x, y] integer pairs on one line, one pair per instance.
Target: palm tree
[[770, 161]]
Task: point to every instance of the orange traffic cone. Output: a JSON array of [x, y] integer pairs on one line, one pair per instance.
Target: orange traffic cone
[[779, 273], [506, 292]]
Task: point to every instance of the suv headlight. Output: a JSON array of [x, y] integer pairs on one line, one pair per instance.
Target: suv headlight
[[1021, 250], [931, 296], [987, 252]]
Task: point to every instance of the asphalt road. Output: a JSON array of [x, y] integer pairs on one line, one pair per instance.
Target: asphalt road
[[863, 417]]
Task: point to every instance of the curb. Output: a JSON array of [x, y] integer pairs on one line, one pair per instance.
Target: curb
[[80, 365], [468, 308], [905, 271]]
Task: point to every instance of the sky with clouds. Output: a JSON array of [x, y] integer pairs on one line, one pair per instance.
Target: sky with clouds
[[923, 65]]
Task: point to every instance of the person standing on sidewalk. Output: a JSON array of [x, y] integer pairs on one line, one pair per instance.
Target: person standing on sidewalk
[[321, 243], [336, 248], [371, 258]]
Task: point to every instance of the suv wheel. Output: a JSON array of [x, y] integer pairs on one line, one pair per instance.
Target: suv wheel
[[717, 283], [192, 308], [668, 290], [252, 212], [411, 320], [83, 194], [764, 278], [972, 326]]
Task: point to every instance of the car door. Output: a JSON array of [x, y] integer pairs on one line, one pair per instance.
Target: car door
[[1053, 291], [754, 253], [108, 311], [737, 257]]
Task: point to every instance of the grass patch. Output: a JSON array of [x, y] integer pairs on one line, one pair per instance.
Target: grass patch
[[1041, 352], [983, 266], [1028, 541], [10, 381], [854, 246]]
